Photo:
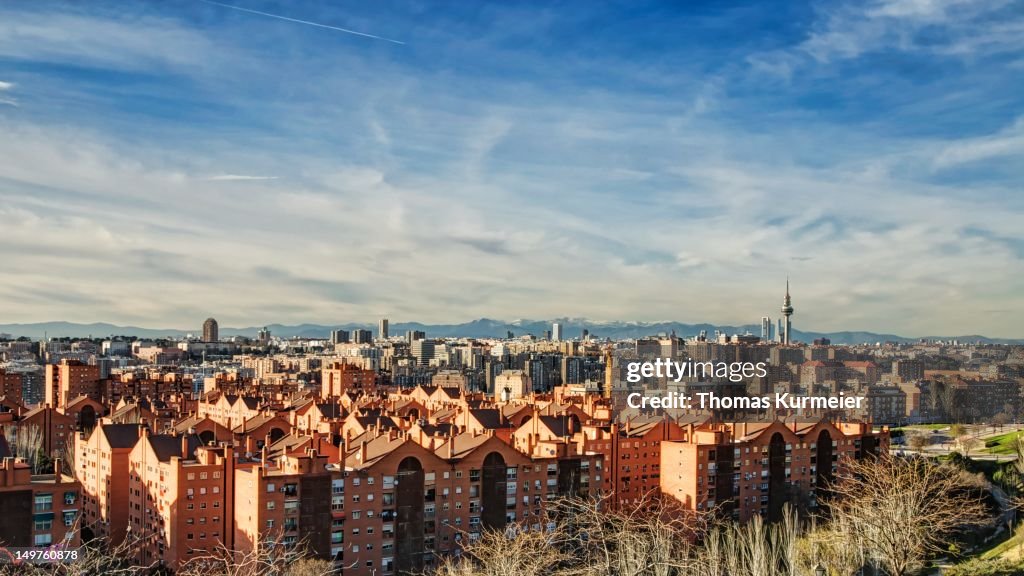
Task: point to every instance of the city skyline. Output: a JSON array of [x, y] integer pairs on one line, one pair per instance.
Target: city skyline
[[182, 160]]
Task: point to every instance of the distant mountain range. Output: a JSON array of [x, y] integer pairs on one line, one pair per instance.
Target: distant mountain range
[[482, 328]]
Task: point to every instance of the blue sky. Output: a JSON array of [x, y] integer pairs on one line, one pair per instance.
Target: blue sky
[[166, 161]]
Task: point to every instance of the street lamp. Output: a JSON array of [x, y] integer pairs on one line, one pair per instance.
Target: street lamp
[[819, 570]]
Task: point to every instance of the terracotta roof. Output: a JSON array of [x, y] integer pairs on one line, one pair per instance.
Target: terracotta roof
[[254, 422], [82, 399], [463, 445], [376, 449]]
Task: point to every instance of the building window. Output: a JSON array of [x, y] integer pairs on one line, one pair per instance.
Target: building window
[[44, 502], [43, 539]]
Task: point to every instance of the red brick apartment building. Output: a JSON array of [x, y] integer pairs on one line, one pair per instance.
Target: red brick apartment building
[[180, 497], [340, 377], [10, 386], [69, 380], [388, 485], [38, 510], [755, 469]]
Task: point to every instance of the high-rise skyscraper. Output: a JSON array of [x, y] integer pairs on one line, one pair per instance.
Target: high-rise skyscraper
[[339, 336], [787, 311], [766, 329], [360, 336], [382, 329], [556, 332], [422, 350], [210, 330]]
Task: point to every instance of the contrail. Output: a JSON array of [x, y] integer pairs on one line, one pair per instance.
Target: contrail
[[307, 22]]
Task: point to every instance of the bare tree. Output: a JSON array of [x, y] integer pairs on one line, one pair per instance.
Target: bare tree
[[581, 537], [270, 557], [66, 453], [1002, 419], [829, 546], [902, 510], [509, 553], [967, 444], [918, 441], [755, 548], [26, 442]]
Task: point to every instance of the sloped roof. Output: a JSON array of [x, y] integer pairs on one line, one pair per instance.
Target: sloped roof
[[461, 445], [254, 422], [489, 418], [331, 410], [166, 446], [121, 435]]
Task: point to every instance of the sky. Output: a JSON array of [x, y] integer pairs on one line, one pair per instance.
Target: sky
[[285, 162]]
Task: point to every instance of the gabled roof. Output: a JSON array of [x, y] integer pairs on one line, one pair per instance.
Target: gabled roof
[[331, 410], [489, 418], [461, 445], [166, 446], [255, 422], [82, 399], [641, 426], [382, 422], [557, 424], [191, 421], [120, 435]]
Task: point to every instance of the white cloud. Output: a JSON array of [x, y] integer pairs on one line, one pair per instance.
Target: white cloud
[[238, 177], [847, 30], [6, 87], [1007, 142]]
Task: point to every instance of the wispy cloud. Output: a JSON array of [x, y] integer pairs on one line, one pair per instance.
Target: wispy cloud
[[848, 30], [1007, 142], [5, 87], [238, 177]]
